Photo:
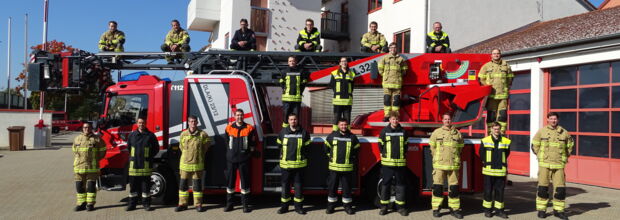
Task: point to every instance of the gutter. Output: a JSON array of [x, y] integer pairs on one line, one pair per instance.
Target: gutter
[[563, 44]]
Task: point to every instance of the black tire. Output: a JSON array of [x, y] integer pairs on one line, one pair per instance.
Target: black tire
[[163, 187]]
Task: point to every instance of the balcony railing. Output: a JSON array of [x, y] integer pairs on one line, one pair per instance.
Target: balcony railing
[[260, 20], [334, 25]]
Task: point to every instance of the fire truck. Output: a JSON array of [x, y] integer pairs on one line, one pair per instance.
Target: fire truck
[[219, 82]]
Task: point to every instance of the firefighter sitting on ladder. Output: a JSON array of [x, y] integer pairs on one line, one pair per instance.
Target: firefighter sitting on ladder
[[177, 40], [309, 39], [446, 144], [194, 143], [342, 148], [392, 68], [113, 39], [393, 148], [498, 75], [293, 82], [294, 142], [494, 152], [88, 150], [143, 146], [241, 143], [342, 85], [374, 41]]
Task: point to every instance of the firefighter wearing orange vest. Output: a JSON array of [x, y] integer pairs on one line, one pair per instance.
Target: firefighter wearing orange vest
[[498, 75], [552, 145], [392, 68], [88, 150], [194, 144], [342, 85], [446, 144], [494, 153], [241, 143]]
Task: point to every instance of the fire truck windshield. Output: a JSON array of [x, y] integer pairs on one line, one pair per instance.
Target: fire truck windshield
[[124, 110]]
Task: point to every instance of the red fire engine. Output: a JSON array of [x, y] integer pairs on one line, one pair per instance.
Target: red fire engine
[[222, 81]]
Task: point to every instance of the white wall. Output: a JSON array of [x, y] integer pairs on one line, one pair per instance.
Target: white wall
[[231, 12], [396, 17], [288, 17], [26, 119]]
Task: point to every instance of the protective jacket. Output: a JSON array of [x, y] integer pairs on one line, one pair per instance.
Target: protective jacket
[[393, 146], [112, 40], [499, 75], [143, 147], [88, 150], [392, 68], [177, 37], [342, 86], [552, 147], [341, 150], [494, 154], [293, 148], [240, 142], [446, 146], [293, 82], [369, 39], [193, 148]]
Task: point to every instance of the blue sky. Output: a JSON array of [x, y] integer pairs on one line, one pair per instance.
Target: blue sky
[[79, 23]]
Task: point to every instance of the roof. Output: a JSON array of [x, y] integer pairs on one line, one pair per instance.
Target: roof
[[589, 25], [609, 4]]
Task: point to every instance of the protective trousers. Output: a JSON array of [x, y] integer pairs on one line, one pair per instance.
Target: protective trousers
[[180, 48], [493, 192], [196, 178], [389, 174], [391, 100], [341, 112], [556, 177], [296, 176], [439, 177], [139, 185], [288, 108], [497, 111], [85, 185], [345, 179], [244, 176]]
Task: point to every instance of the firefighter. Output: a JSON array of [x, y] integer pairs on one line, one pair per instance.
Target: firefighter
[[437, 41], [142, 146], [241, 143], [498, 75], [494, 153], [393, 148], [309, 39], [342, 86], [113, 39], [392, 67], [293, 82], [373, 41], [294, 142], [177, 40], [88, 150], [552, 145], [244, 38], [446, 144], [342, 148], [194, 143]]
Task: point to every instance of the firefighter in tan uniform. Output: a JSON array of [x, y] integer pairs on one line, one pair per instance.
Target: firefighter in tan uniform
[[373, 41], [552, 145], [177, 40], [113, 39], [88, 149], [392, 68], [194, 145], [498, 75], [446, 144]]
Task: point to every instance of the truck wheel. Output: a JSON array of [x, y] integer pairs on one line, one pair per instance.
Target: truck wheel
[[163, 187]]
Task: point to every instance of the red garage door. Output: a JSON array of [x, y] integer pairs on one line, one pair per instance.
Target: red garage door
[[519, 124]]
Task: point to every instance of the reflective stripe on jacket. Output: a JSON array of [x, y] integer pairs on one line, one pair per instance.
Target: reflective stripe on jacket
[[88, 150], [342, 86], [393, 146], [293, 148], [494, 154], [341, 150], [193, 148], [446, 146]]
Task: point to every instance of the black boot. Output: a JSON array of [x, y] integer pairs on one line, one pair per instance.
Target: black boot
[[348, 208], [560, 215], [80, 207], [200, 208], [330, 207], [283, 208], [402, 210], [299, 208], [180, 208], [131, 204], [383, 210], [229, 202], [245, 202], [456, 214], [146, 203], [501, 213], [488, 213], [542, 214], [90, 207], [436, 213]]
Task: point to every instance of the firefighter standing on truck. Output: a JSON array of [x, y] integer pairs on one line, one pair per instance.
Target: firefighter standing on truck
[[342, 85], [498, 75], [374, 41], [293, 82], [494, 153], [294, 142], [309, 39], [241, 143], [113, 39], [392, 67], [446, 144], [194, 143], [142, 146], [342, 148], [552, 145], [88, 149], [177, 40], [393, 148]]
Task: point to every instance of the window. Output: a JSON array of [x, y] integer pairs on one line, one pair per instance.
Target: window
[[519, 112], [402, 41], [124, 110], [374, 5], [259, 21]]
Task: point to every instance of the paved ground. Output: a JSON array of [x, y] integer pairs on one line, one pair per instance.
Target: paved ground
[[38, 184]]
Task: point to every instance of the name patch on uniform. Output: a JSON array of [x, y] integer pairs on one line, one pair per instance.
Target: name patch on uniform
[[395, 134], [342, 139], [293, 135], [293, 74]]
